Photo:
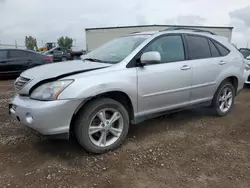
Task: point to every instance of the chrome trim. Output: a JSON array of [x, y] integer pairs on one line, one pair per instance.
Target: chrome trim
[[177, 90], [21, 82]]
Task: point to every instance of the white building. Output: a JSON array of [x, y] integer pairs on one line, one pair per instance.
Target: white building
[[11, 46], [98, 36]]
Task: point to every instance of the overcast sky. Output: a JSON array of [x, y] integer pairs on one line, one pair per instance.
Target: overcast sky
[[49, 19]]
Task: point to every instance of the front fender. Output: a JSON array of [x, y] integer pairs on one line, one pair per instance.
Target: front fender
[[86, 87]]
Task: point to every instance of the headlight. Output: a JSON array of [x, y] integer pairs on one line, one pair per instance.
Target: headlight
[[50, 91]]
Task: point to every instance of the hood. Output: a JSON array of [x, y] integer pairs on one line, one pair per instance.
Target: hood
[[54, 70], [57, 70]]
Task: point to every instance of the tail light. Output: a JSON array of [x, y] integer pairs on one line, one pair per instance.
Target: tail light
[[48, 59]]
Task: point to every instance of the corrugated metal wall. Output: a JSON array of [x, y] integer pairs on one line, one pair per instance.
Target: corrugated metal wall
[[98, 36]]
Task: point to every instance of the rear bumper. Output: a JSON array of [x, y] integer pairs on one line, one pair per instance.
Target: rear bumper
[[46, 117]]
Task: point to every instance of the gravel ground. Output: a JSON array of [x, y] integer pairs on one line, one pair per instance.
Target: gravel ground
[[187, 149]]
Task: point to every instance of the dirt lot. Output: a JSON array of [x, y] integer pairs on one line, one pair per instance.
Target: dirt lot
[[189, 149]]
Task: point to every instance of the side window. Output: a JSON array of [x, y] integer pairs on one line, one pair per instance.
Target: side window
[[222, 49], [64, 49], [3, 54], [214, 51], [198, 47], [170, 48], [17, 54]]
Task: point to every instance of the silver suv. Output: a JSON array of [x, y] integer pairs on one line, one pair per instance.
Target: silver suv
[[128, 80]]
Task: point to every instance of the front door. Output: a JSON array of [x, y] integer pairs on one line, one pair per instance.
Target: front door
[[166, 85]]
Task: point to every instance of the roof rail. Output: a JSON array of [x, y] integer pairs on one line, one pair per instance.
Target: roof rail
[[188, 28]]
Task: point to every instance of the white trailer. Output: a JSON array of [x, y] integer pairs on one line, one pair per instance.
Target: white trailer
[[98, 36]]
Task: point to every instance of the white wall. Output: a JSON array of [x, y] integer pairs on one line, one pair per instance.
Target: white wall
[[4, 46], [97, 37]]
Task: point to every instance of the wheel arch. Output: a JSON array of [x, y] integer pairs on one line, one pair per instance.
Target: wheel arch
[[232, 79], [119, 96]]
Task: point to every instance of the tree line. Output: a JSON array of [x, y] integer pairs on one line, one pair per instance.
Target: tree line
[[31, 42]]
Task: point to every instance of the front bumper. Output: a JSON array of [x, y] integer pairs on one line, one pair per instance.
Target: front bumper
[[46, 117]]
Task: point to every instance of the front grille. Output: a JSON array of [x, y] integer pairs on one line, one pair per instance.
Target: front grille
[[21, 82]]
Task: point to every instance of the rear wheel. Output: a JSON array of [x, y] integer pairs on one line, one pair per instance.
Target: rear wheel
[[102, 125], [224, 99]]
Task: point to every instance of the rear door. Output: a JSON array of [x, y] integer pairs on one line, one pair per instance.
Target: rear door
[[208, 63], [36, 59], [18, 60]]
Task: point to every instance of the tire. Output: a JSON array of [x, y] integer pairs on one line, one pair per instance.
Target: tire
[[218, 99], [88, 115], [64, 59]]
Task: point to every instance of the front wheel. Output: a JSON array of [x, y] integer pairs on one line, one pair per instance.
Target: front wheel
[[102, 125], [64, 59], [224, 99]]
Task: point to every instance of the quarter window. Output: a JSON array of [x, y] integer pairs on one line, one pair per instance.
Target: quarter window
[[214, 51], [223, 51], [170, 48], [198, 47]]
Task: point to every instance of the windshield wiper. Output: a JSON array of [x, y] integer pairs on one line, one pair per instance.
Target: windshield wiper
[[93, 59]]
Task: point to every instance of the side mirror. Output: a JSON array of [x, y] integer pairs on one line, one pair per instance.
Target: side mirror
[[152, 57], [248, 57]]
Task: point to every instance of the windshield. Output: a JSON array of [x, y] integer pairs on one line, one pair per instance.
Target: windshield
[[116, 50]]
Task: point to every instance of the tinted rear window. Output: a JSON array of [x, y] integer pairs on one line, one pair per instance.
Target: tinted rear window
[[223, 51], [198, 47], [3, 54]]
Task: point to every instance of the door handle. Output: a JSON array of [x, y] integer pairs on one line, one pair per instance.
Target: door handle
[[185, 67], [222, 62]]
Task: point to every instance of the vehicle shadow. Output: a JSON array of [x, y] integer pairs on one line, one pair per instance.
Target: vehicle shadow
[[171, 121], [70, 150]]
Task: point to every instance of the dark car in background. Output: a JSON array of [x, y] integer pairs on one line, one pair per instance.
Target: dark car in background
[[59, 54], [65, 54], [245, 52], [15, 61]]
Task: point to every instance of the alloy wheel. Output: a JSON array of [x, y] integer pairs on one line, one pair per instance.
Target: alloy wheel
[[225, 99], [106, 127]]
